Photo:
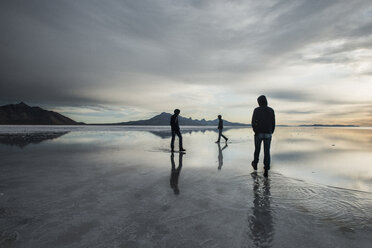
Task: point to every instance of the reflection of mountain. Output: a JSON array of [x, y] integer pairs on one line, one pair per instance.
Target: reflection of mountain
[[164, 118], [23, 139], [164, 134], [22, 114], [168, 134]]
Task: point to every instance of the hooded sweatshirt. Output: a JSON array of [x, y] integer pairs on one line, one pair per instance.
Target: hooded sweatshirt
[[263, 119]]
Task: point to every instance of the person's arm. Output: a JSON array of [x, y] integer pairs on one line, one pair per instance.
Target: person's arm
[[173, 122], [254, 121], [177, 123], [273, 124], [220, 124]]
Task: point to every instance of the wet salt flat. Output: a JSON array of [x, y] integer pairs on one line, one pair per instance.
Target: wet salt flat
[[109, 186]]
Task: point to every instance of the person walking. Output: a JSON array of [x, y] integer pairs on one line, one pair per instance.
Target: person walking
[[263, 124], [176, 130], [220, 128]]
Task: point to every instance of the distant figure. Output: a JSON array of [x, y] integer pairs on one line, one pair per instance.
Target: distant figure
[[263, 124], [176, 130], [175, 173], [220, 128], [220, 155]]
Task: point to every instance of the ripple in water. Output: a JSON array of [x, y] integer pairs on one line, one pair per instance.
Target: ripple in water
[[348, 209]]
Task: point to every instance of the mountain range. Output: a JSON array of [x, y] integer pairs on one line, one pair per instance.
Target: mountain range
[[163, 119], [22, 114]]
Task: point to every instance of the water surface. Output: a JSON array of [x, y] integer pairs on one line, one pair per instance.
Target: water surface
[[97, 186]]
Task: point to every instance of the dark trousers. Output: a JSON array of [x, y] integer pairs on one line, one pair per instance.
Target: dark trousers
[[266, 138], [220, 134], [179, 138]]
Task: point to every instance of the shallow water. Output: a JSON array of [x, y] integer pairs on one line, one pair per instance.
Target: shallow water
[[97, 186]]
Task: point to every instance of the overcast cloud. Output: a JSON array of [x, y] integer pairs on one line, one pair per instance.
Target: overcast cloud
[[103, 61]]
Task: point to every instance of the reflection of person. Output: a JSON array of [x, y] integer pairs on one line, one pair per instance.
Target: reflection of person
[[175, 173], [220, 156], [220, 128], [176, 130], [263, 124], [261, 222]]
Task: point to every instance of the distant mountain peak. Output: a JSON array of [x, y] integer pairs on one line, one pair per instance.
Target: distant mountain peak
[[22, 104]]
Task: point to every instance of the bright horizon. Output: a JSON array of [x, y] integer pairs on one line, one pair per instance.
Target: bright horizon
[[102, 121], [116, 61]]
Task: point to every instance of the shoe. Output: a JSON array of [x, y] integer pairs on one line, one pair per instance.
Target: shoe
[[226, 139], [182, 150], [254, 165], [266, 173], [217, 141]]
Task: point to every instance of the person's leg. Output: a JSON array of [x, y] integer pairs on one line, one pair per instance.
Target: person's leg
[[267, 160], [224, 136], [219, 135], [180, 139], [257, 148], [172, 140], [179, 162]]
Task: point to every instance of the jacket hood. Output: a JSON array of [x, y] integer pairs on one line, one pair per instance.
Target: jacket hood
[[262, 101]]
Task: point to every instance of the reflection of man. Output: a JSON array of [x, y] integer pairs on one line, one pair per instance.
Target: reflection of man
[[220, 155], [261, 222], [176, 130], [175, 173], [263, 124], [220, 128]]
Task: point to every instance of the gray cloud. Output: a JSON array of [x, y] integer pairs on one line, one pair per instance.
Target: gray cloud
[[313, 96], [83, 52], [297, 112], [290, 95]]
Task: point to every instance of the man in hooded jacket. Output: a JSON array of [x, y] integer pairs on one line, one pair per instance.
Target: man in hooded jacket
[[263, 124]]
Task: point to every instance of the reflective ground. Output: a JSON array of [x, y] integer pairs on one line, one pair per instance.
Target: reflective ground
[[102, 186]]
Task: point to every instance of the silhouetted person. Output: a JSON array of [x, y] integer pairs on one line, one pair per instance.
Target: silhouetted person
[[263, 124], [220, 128], [175, 173], [220, 155], [176, 130], [261, 221]]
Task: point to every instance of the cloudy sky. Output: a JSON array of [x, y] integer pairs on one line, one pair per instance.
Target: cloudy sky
[[109, 61]]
